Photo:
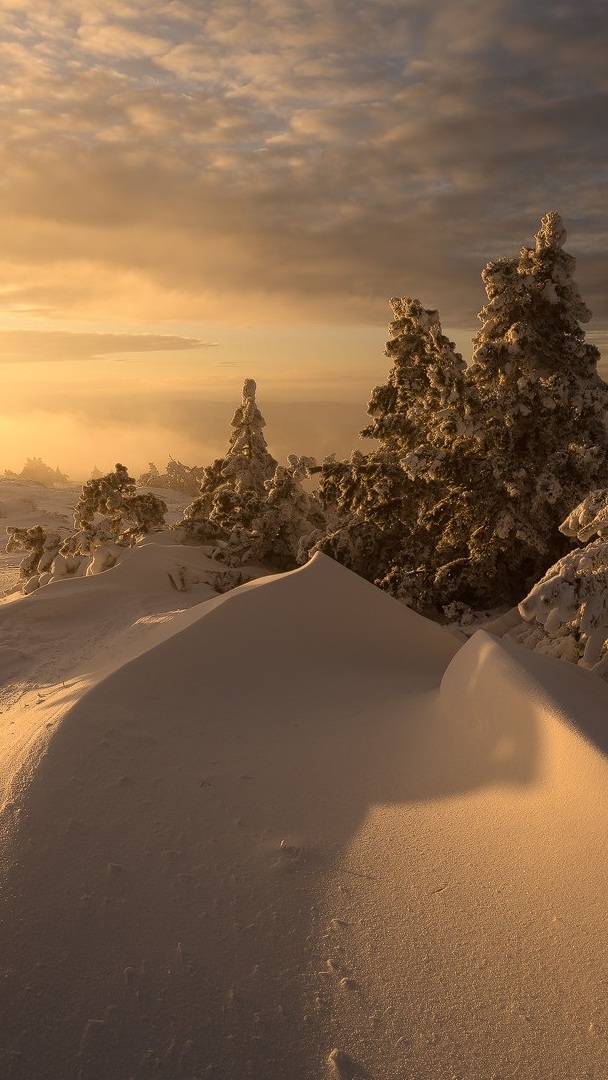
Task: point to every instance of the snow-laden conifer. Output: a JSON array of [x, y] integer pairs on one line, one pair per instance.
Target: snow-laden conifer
[[109, 510], [41, 547], [286, 514], [232, 488], [537, 438], [383, 498], [410, 412]]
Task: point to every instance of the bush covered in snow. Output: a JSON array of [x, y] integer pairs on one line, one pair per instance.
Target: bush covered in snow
[[41, 547], [568, 607], [108, 517]]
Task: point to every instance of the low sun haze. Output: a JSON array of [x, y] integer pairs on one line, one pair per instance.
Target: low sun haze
[[195, 195]]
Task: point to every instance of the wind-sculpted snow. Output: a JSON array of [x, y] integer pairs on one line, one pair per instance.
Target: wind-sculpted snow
[[309, 831], [507, 693]]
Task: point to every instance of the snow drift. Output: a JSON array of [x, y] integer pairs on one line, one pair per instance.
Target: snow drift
[[309, 832]]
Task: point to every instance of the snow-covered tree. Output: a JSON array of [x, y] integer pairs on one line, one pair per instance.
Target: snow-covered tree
[[176, 477], [232, 488], [109, 511], [426, 377], [37, 471], [568, 607], [386, 500], [286, 514], [152, 476], [475, 468], [108, 516], [41, 547], [537, 438]]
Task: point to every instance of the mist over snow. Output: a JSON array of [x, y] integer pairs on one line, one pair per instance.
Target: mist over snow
[[108, 429]]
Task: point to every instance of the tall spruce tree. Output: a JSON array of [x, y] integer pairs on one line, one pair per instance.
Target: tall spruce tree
[[538, 440], [383, 497]]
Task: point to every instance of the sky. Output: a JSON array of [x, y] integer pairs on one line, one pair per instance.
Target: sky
[[198, 191]]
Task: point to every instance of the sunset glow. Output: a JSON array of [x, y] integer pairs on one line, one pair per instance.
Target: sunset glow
[[196, 193]]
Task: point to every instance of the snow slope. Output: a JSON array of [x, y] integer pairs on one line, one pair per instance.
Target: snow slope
[[300, 832]]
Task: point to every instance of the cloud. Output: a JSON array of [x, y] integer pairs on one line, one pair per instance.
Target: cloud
[[53, 345], [284, 158], [119, 42]]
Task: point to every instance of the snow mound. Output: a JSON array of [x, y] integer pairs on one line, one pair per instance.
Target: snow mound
[[503, 692], [308, 830], [91, 612], [182, 823]]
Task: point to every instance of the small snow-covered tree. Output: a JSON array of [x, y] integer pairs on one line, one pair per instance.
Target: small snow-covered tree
[[568, 607], [232, 488], [286, 515], [108, 516], [184, 478], [151, 477], [41, 547], [110, 511], [176, 477]]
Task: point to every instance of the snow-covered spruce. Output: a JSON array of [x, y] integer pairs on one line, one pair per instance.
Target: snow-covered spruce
[[387, 502], [232, 487], [286, 514], [476, 468], [250, 507], [568, 607], [538, 408], [110, 511]]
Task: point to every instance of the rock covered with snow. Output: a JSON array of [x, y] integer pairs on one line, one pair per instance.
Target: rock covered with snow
[[568, 607]]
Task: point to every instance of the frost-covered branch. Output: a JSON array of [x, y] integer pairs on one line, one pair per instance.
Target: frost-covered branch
[[568, 607]]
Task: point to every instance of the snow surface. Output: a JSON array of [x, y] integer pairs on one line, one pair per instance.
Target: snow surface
[[292, 832]]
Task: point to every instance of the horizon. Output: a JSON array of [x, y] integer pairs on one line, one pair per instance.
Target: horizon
[[192, 429]]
